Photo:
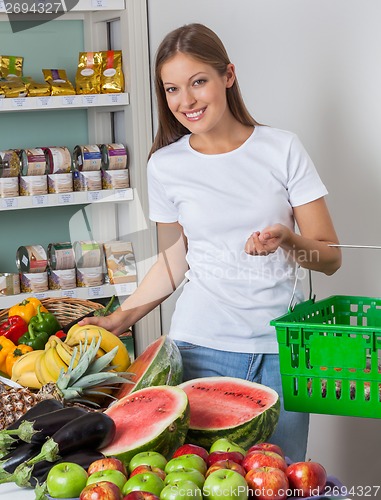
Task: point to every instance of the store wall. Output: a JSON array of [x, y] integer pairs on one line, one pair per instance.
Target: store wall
[[314, 68]]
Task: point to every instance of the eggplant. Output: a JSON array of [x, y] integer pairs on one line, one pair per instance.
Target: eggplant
[[41, 408], [22, 453], [84, 458], [92, 431]]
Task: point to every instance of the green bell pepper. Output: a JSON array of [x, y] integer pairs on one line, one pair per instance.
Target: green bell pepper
[[40, 328]]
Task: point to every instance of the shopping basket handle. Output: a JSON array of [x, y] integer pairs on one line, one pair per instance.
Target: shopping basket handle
[[292, 306], [354, 246]]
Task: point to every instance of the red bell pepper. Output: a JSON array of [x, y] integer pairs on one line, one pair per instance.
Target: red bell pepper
[[13, 328]]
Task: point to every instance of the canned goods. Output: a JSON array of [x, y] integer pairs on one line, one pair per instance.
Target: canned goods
[[89, 276], [60, 183], [9, 284], [9, 187], [115, 179], [58, 160], [88, 254], [61, 256], [62, 279], [31, 259], [87, 158], [33, 161], [33, 185], [114, 156], [34, 282], [87, 181], [11, 164]]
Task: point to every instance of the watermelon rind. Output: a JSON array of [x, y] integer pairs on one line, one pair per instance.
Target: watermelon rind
[[162, 365], [164, 429], [246, 433]]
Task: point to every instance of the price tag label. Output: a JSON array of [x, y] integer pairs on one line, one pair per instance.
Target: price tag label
[[115, 98], [39, 200], [41, 295], [44, 101], [9, 202], [20, 102], [95, 292], [125, 288], [94, 195], [64, 198], [71, 100], [121, 194], [71, 293], [90, 100], [99, 4]]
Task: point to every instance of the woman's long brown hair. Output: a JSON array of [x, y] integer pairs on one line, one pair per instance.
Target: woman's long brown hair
[[199, 42]]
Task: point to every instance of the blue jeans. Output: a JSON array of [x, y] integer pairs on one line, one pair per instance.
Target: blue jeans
[[291, 433]]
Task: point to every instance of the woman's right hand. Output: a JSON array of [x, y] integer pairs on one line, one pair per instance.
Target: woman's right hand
[[112, 323]]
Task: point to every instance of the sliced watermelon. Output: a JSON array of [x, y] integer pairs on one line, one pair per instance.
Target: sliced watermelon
[[159, 364], [225, 407], [152, 419]]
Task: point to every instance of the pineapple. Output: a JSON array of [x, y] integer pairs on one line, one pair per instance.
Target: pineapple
[[91, 377]]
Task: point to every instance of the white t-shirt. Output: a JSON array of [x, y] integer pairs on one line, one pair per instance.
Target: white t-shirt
[[220, 200]]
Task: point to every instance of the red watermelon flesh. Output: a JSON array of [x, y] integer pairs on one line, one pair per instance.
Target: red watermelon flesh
[[152, 419], [242, 411], [159, 364]]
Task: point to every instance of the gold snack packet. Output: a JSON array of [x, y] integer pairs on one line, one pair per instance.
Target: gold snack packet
[[36, 89], [112, 78], [88, 76], [11, 66], [14, 87], [58, 81]]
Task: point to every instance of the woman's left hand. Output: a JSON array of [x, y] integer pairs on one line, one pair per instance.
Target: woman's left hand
[[266, 241]]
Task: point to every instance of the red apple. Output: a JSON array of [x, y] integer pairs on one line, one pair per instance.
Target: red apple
[[308, 478], [266, 447], [109, 463], [193, 449], [216, 456], [140, 495], [267, 483], [104, 490], [226, 464], [147, 468], [262, 458]]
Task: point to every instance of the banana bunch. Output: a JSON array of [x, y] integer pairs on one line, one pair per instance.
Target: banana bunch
[[37, 368], [82, 334]]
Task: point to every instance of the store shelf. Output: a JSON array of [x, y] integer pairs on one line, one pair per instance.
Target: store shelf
[[60, 199], [63, 102], [61, 6], [86, 293]]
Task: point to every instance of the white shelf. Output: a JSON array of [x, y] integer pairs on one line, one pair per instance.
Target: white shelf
[[62, 199], [81, 6], [85, 293], [63, 102]]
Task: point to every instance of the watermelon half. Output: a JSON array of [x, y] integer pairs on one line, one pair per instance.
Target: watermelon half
[[159, 364], [226, 407], [152, 419]]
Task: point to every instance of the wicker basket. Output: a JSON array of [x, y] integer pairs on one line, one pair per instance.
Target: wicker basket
[[65, 309]]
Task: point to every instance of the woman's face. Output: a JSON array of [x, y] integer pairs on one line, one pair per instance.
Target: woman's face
[[196, 93]]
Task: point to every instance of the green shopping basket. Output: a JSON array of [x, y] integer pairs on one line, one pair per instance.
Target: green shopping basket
[[330, 352]]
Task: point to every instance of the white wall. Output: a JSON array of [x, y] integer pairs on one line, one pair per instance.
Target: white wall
[[314, 67]]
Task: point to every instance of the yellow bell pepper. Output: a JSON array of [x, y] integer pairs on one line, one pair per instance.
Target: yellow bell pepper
[[26, 309], [6, 346], [13, 355]]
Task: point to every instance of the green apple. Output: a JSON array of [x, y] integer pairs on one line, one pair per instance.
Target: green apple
[[225, 483], [66, 480], [189, 461], [185, 474], [148, 481], [110, 475], [224, 444], [152, 458], [182, 489]]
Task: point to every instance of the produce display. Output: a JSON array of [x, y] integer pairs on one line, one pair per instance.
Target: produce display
[[158, 439]]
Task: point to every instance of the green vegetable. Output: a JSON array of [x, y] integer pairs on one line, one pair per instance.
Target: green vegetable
[[40, 328], [106, 310]]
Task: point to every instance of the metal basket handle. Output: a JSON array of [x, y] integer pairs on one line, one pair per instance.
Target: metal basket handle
[[336, 245]]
